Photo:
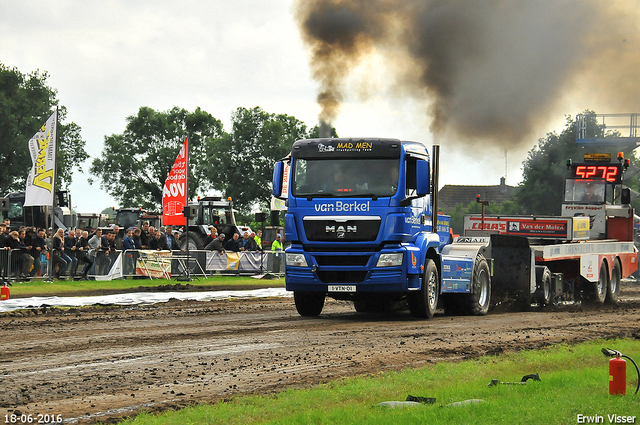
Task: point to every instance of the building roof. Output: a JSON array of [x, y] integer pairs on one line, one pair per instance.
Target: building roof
[[451, 195]]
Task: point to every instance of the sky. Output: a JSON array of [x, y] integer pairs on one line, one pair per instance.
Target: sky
[[109, 58]]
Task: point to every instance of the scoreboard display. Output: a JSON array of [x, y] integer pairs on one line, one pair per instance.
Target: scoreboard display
[[610, 172]]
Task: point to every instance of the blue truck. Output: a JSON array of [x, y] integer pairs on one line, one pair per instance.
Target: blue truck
[[363, 226]]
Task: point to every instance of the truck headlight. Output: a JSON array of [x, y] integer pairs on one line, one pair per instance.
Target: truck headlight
[[296, 260], [390, 260]]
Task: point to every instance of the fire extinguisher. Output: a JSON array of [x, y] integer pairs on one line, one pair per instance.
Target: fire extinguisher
[[618, 372], [4, 292]]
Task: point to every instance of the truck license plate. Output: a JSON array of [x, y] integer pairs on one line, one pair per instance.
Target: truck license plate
[[342, 288]]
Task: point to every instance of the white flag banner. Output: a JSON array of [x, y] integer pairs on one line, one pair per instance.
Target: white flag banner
[[115, 272], [42, 147]]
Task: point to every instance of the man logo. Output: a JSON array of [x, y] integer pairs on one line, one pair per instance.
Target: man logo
[[341, 231]]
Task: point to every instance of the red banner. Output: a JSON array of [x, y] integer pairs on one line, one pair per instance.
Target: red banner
[[174, 192]]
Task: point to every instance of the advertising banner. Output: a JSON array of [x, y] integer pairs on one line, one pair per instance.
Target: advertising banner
[[174, 192], [42, 147], [155, 264]]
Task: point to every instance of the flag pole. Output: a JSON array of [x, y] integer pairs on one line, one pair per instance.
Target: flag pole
[[53, 199]]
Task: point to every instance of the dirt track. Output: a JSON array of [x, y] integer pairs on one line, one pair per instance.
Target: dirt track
[[108, 362]]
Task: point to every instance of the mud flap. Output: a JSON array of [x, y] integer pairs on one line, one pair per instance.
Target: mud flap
[[513, 266]]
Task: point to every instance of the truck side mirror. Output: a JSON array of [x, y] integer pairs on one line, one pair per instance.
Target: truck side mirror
[[422, 178], [625, 196], [276, 185]]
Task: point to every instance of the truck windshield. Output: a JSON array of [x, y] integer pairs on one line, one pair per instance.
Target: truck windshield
[[345, 177], [584, 191]]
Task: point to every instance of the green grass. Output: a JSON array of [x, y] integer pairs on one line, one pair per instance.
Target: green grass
[[61, 288], [574, 380]]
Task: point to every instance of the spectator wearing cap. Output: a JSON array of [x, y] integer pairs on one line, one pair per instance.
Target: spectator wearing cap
[[216, 244], [277, 244]]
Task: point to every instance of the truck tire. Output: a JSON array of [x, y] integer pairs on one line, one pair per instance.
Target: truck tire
[[543, 281], [598, 289], [613, 288], [195, 241], [423, 303], [309, 303], [477, 303]]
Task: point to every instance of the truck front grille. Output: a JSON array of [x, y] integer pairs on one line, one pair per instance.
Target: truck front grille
[[342, 260], [341, 230], [342, 276]]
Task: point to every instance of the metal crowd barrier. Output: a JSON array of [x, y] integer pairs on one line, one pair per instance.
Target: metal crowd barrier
[[162, 264], [14, 264], [147, 264], [5, 265]]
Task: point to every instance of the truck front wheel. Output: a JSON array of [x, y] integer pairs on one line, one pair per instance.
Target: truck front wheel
[[309, 303], [423, 303]]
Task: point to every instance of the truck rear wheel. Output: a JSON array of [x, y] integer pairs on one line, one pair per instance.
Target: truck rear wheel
[[423, 303], [477, 303], [613, 289], [598, 289], [309, 303], [543, 281]]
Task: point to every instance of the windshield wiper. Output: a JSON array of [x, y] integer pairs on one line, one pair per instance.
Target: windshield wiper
[[310, 196], [373, 196]]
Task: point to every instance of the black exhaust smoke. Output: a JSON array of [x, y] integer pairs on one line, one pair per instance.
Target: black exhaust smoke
[[324, 130], [490, 69]]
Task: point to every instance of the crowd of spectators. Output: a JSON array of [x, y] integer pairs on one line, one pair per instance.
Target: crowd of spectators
[[30, 248], [77, 252], [248, 242]]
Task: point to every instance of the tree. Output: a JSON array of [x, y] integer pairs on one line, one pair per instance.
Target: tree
[[544, 171], [134, 165], [244, 159], [26, 102], [314, 133]]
